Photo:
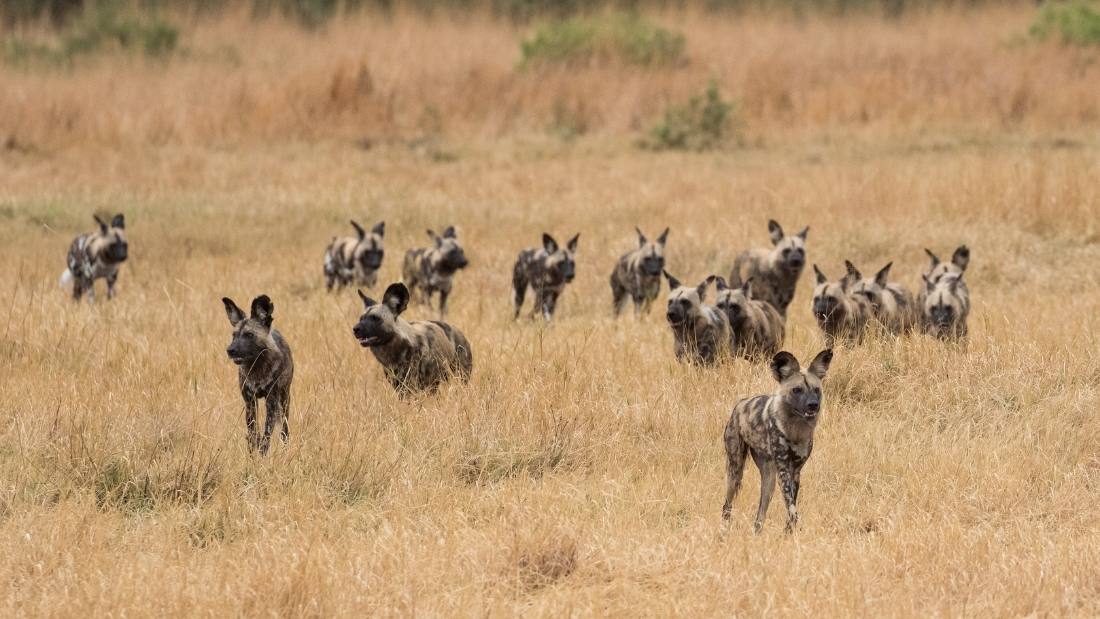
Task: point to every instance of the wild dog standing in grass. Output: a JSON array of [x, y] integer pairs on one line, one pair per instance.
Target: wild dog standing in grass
[[417, 355], [546, 270], [266, 368], [774, 271], [95, 255], [946, 307], [355, 258], [432, 269], [891, 304], [638, 274], [839, 312], [778, 430], [756, 328], [701, 333], [937, 269]]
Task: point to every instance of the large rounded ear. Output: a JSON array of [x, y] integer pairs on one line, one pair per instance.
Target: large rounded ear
[[883, 276], [804, 233], [820, 365], [549, 244], [701, 289], [663, 238], [720, 283], [102, 224], [449, 233], [851, 277], [119, 221], [379, 228], [262, 310], [933, 257], [236, 316], [641, 237], [784, 365], [852, 270], [961, 257], [396, 298], [776, 231], [821, 279], [572, 244], [359, 230], [673, 283], [367, 301]]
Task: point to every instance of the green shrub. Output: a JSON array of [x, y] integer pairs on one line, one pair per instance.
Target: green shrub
[[613, 37], [1076, 22], [103, 29], [703, 123]]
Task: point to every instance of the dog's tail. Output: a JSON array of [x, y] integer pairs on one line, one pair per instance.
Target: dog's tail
[[66, 278]]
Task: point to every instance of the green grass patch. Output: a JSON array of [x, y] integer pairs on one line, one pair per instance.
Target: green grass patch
[[617, 37], [100, 30], [705, 122], [1074, 23]]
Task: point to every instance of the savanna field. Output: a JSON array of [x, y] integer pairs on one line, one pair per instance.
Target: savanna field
[[581, 471]]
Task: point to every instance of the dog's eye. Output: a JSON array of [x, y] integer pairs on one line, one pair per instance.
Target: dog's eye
[[786, 251], [685, 302], [798, 390], [248, 335]]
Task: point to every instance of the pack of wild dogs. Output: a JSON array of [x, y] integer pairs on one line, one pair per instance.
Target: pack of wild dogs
[[746, 320]]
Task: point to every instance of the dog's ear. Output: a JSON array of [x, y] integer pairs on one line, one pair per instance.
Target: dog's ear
[[119, 221], [720, 283], [928, 285], [804, 233], [641, 237], [820, 365], [701, 289], [961, 257], [396, 298], [359, 231], [673, 283], [821, 279], [851, 277], [102, 224], [775, 231], [784, 365], [449, 233], [852, 270], [933, 257], [367, 301], [434, 237], [549, 244], [663, 238], [379, 228], [236, 316], [883, 276], [572, 244], [262, 310]]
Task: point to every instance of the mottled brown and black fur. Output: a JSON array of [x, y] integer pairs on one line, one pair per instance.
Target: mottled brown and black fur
[[417, 355], [775, 271], [937, 270], [637, 275], [96, 255], [946, 307], [356, 258], [546, 271], [891, 304], [266, 368], [839, 312], [756, 328], [701, 333], [778, 431], [432, 269]]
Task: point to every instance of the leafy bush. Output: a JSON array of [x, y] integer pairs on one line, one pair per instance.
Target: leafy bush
[[102, 29], [1076, 22], [613, 37], [703, 123]]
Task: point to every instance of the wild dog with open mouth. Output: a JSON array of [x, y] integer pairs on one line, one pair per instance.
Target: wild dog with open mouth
[[839, 312], [355, 258], [778, 431], [774, 271], [546, 270], [95, 255], [891, 304], [638, 274], [946, 307], [701, 333], [418, 355], [756, 328], [266, 368], [432, 269]]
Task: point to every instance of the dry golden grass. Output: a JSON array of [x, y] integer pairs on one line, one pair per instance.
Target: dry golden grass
[[581, 471]]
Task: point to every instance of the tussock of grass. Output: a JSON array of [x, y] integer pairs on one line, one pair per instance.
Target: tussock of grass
[[1076, 22], [617, 38]]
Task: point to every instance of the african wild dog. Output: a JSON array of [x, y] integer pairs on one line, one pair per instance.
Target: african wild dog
[[891, 304], [701, 333], [546, 270], [95, 255], [775, 271], [778, 431], [946, 307], [937, 269], [839, 312], [355, 258], [432, 269], [417, 355], [266, 368], [756, 328], [638, 274]]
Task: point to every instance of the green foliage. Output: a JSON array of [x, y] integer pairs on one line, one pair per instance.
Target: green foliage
[[703, 123], [103, 29], [1076, 22], [613, 37]]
